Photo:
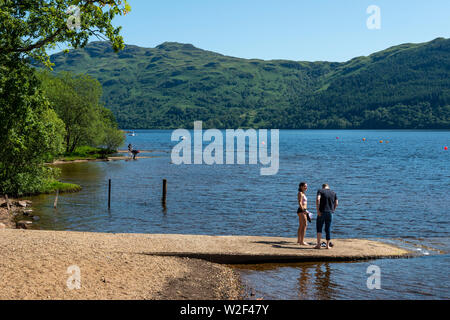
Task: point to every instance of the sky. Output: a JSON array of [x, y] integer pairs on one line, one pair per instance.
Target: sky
[[301, 30]]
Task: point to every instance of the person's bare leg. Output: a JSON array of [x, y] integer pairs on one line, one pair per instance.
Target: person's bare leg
[[305, 225], [302, 229], [319, 237], [299, 231]]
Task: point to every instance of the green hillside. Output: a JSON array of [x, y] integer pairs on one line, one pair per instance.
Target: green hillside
[[170, 86]]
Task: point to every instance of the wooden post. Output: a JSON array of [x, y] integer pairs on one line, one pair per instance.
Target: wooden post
[[55, 204], [109, 195], [7, 203], [164, 192]]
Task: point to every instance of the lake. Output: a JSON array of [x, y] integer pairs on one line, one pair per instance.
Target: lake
[[396, 191]]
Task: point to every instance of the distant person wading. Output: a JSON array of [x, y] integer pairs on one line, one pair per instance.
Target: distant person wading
[[132, 152]]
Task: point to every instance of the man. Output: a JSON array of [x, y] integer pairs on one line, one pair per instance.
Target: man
[[326, 203], [134, 152]]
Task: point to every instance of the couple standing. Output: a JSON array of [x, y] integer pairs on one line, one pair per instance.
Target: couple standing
[[326, 204]]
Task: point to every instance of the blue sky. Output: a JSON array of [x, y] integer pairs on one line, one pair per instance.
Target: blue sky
[[309, 30]]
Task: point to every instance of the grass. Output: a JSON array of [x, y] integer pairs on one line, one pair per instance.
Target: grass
[[87, 153], [51, 186]]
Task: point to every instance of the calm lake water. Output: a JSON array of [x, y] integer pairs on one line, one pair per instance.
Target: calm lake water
[[396, 191]]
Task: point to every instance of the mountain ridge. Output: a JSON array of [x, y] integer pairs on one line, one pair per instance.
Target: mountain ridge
[[174, 84]]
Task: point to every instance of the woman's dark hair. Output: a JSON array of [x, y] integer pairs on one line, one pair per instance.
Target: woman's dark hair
[[302, 184]]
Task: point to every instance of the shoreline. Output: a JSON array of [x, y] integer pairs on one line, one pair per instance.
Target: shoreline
[[35, 264], [177, 278], [148, 266], [108, 158], [117, 158], [18, 209], [151, 266]]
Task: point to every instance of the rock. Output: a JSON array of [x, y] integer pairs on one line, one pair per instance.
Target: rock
[[2, 226], [23, 224], [36, 218], [22, 204], [28, 212]]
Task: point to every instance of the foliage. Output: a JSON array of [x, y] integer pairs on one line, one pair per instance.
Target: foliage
[[87, 153], [112, 138], [174, 84], [76, 100], [31, 27], [52, 185], [30, 131]]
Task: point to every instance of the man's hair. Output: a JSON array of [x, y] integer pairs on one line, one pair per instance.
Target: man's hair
[[325, 185]]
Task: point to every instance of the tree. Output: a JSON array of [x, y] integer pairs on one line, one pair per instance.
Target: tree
[[112, 137], [77, 101], [29, 130], [75, 98], [30, 27]]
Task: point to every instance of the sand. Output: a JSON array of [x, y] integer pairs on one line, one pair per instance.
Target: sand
[[34, 263]]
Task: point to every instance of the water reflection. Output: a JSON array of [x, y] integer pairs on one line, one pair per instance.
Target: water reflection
[[322, 282], [348, 280], [315, 280], [303, 283]]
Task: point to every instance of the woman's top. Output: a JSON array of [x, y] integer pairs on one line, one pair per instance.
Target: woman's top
[[304, 199]]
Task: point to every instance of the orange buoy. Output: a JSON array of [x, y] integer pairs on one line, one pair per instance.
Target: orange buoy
[[381, 141], [364, 139]]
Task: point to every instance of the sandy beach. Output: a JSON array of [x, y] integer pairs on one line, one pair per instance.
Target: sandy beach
[[34, 265]]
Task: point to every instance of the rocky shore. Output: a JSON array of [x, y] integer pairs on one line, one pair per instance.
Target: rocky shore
[[18, 215]]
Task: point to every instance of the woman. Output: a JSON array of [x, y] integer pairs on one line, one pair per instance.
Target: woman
[[130, 150], [302, 212]]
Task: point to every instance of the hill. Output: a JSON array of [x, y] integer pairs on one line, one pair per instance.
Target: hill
[[173, 84]]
